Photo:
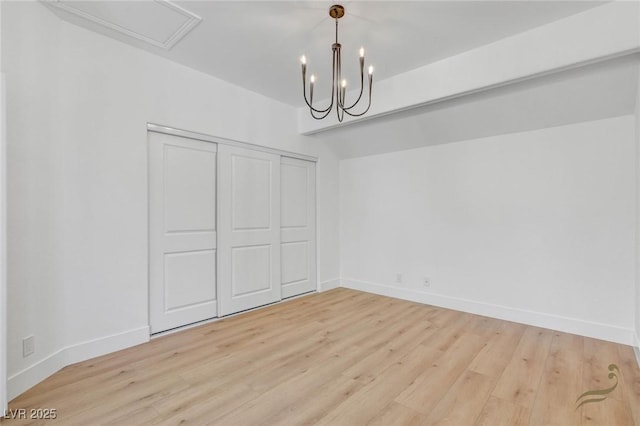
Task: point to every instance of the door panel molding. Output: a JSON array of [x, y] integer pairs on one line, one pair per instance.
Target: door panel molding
[[182, 250], [298, 226], [249, 229]]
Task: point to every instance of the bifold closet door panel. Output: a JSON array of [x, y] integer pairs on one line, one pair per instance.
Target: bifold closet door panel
[[298, 226], [182, 231], [249, 228]]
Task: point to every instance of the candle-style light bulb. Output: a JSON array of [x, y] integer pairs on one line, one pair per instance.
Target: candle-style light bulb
[[344, 83], [312, 80], [362, 52], [370, 69], [303, 62]]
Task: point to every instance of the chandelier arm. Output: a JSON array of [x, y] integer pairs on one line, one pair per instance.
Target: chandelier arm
[[321, 116], [337, 72], [309, 104], [333, 73], [325, 112], [361, 87], [339, 108], [339, 92], [368, 106], [336, 69], [319, 111]]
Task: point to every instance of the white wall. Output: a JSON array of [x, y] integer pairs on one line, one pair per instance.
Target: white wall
[[637, 253], [3, 239], [536, 227], [3, 247], [78, 104]]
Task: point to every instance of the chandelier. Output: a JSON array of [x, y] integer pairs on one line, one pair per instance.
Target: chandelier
[[338, 84]]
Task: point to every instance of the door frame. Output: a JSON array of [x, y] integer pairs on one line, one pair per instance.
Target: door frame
[[158, 128]]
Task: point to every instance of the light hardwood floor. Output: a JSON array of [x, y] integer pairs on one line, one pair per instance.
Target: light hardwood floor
[[347, 358]]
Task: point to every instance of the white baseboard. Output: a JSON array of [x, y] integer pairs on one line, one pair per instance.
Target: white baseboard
[[329, 284], [539, 319], [30, 376], [34, 374]]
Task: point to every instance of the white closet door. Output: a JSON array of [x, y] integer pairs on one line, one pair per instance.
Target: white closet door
[[298, 226], [249, 225], [182, 231]]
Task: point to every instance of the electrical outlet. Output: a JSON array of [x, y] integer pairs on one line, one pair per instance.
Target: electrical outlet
[[28, 346], [399, 277], [426, 281]]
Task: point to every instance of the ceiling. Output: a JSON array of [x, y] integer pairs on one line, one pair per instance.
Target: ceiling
[[257, 45]]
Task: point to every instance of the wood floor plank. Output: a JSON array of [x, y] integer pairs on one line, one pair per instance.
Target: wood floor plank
[[598, 355], [142, 416], [313, 409], [404, 339], [464, 401], [424, 393], [498, 412], [124, 397], [494, 357], [631, 378], [345, 357], [296, 390], [215, 403], [485, 326], [520, 379], [369, 401], [608, 412], [397, 414], [561, 384]]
